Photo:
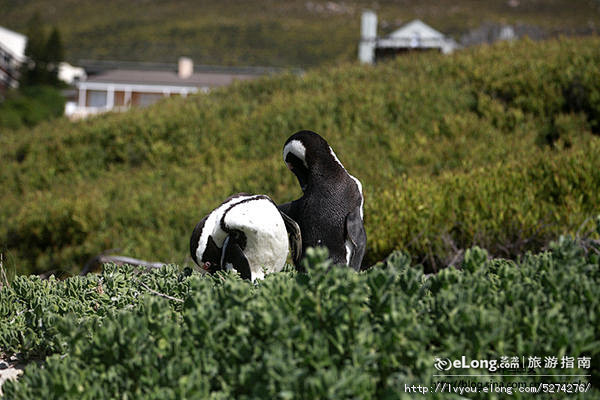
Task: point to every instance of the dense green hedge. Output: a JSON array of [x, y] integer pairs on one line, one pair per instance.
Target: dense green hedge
[[30, 106], [492, 146], [331, 333]]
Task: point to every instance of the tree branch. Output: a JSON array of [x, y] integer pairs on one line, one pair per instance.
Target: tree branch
[[104, 258]]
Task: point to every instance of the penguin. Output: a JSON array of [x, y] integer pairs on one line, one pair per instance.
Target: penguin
[[246, 233], [330, 213]]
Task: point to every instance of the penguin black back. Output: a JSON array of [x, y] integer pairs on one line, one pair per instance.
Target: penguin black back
[[330, 213]]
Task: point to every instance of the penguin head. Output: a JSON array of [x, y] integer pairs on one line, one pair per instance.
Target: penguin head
[[207, 257], [310, 158]]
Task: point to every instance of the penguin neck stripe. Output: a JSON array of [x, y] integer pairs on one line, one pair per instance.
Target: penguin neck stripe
[[212, 226], [336, 158], [245, 200], [358, 184], [296, 148]]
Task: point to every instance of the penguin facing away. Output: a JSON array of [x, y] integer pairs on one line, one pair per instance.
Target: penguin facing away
[[330, 213], [246, 233]]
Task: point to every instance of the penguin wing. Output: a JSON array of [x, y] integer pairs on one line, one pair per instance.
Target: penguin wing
[[232, 254], [294, 236], [355, 233], [286, 208]]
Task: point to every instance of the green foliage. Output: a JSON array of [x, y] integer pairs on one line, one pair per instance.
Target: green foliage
[[30, 106], [331, 333], [44, 53], [448, 150]]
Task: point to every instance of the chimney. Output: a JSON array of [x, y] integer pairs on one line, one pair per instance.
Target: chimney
[[185, 68], [368, 37]]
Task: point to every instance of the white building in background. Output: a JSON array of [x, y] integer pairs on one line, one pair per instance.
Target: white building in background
[[118, 86], [368, 37], [414, 36], [12, 55]]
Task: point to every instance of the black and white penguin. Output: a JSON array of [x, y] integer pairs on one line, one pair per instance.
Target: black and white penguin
[[330, 213], [247, 233]]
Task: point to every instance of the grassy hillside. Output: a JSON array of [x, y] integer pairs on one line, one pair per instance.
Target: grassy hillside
[[494, 146], [329, 334], [276, 33]]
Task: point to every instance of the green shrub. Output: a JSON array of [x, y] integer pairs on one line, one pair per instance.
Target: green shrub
[[331, 333], [30, 106], [451, 151]]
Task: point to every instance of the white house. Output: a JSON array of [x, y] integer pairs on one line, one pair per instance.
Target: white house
[[120, 88], [414, 36], [12, 55]]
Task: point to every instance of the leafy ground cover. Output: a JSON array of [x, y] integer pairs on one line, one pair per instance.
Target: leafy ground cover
[[331, 333], [495, 146]]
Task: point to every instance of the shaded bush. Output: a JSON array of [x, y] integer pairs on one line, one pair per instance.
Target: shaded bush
[[30, 106]]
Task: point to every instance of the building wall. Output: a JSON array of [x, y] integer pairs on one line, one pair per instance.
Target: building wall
[[95, 97], [101, 98], [120, 99], [145, 99]]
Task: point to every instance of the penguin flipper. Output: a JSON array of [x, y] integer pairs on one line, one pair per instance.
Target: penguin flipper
[[355, 232], [286, 208], [232, 254], [294, 236]]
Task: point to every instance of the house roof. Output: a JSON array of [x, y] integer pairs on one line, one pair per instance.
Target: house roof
[[417, 35], [416, 28], [167, 78], [13, 42]]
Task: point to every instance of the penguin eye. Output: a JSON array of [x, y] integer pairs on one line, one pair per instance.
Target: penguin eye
[[206, 266]]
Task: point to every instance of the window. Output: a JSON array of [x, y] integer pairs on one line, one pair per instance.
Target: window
[[146, 99], [96, 98]]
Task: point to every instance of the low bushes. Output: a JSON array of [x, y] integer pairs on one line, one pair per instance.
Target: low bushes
[[331, 333]]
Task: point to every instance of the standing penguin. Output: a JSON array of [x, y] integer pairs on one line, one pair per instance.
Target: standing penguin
[[246, 233], [330, 213]]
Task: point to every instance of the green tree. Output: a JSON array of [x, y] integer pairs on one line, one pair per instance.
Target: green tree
[[33, 70], [44, 53], [54, 54]]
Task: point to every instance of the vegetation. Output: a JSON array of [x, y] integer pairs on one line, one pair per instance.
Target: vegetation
[[38, 98], [30, 106], [296, 33], [44, 53], [493, 147], [496, 147], [331, 333]]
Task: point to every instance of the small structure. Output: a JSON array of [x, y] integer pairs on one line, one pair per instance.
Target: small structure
[[414, 36], [12, 55], [490, 32], [70, 74], [119, 86]]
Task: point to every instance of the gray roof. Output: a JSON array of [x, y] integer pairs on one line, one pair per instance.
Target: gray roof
[[168, 78]]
